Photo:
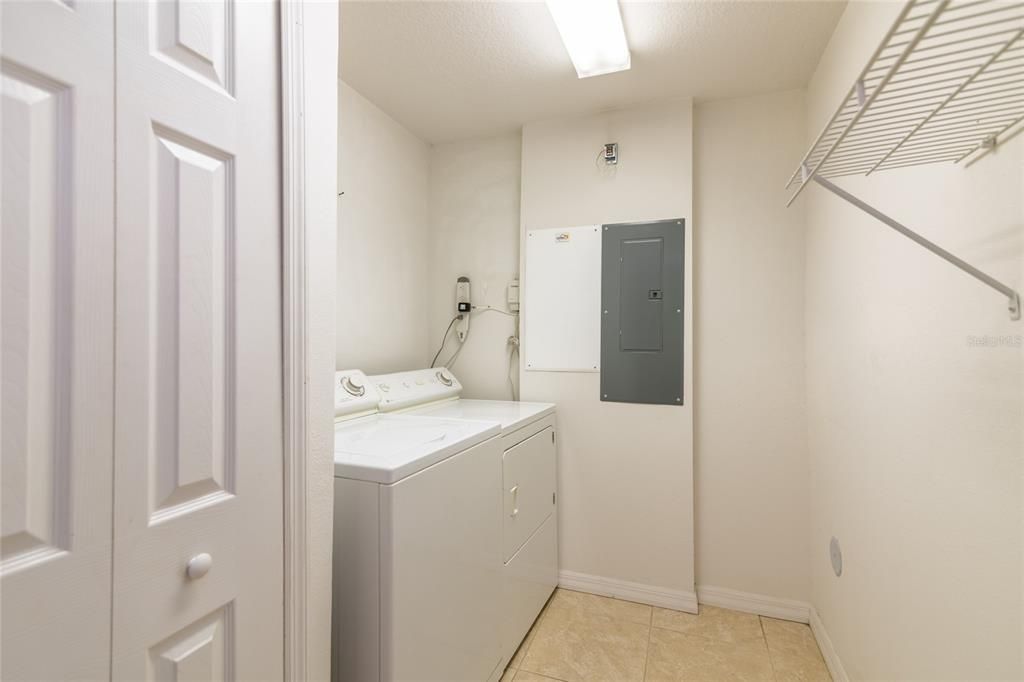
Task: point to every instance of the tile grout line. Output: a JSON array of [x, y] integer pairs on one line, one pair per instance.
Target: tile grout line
[[529, 643], [764, 635], [533, 631], [616, 616], [647, 652], [536, 626]]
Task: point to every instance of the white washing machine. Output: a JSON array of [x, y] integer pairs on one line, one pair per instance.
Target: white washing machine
[[417, 542], [529, 529]]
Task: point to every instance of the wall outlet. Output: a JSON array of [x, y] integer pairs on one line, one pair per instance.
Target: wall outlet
[[513, 296], [611, 153]]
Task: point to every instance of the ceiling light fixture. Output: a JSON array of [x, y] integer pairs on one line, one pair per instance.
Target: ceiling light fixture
[[593, 35]]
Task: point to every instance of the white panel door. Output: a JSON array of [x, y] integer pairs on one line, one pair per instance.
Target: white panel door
[[57, 320], [198, 440]]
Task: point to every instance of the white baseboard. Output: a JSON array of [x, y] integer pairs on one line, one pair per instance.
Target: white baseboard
[[762, 605], [828, 652], [665, 597]]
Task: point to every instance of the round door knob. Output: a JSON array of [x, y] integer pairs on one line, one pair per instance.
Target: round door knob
[[198, 566], [354, 385]]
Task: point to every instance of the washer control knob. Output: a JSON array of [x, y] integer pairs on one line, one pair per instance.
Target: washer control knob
[[443, 377], [353, 385], [198, 566]]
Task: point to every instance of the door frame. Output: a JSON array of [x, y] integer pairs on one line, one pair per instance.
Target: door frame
[[309, 84]]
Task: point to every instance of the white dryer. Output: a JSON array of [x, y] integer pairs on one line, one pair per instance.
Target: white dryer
[[417, 550], [528, 485]]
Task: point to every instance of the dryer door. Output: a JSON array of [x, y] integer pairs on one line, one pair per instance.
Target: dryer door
[[528, 474]]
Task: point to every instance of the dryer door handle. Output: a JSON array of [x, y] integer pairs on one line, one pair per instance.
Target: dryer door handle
[[514, 491]]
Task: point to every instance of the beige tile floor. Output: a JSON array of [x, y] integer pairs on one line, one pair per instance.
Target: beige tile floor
[[586, 638]]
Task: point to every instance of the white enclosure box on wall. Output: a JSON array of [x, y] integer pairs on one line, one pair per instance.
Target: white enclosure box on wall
[[562, 300]]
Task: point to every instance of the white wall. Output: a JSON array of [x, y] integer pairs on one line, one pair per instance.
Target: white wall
[[474, 231], [382, 238], [625, 471], [915, 435], [751, 465]]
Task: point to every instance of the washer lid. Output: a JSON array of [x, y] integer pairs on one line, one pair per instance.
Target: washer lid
[[385, 448], [510, 414]]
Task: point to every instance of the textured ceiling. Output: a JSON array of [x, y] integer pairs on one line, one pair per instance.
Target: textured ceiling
[[458, 70]]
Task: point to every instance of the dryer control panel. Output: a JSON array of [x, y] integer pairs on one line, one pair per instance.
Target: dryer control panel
[[402, 390]]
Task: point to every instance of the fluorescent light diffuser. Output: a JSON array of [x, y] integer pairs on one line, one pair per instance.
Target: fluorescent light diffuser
[[593, 35]]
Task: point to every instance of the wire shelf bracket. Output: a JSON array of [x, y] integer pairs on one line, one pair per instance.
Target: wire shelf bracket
[[1013, 297], [946, 84]]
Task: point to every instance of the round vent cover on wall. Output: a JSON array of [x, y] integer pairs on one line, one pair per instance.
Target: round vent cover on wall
[[836, 554]]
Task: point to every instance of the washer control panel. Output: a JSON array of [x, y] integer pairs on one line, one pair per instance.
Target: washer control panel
[[354, 385], [354, 394], [403, 390]]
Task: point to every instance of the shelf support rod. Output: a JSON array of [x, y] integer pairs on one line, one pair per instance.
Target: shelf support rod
[[1014, 305]]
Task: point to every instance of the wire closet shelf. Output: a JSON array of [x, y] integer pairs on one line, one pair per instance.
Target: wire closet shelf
[[946, 84]]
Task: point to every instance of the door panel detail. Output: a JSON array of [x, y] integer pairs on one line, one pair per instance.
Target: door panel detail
[[196, 37], [56, 338], [37, 258], [198, 438], [192, 291], [204, 650]]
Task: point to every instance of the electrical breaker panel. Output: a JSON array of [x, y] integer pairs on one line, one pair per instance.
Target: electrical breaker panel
[[642, 312]]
